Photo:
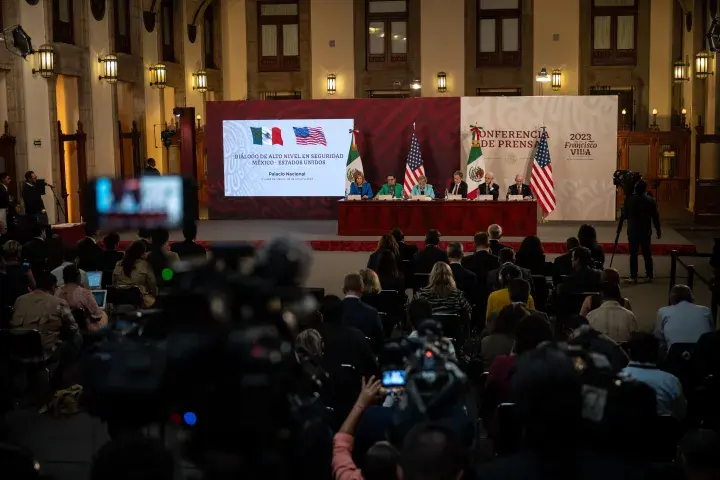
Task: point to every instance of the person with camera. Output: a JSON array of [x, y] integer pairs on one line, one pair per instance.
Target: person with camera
[[641, 212]]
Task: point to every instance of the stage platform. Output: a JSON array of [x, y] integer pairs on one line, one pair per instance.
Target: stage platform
[[322, 236]]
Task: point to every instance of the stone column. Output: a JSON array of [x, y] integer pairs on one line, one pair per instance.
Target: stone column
[[661, 61], [332, 45], [104, 128], [442, 46], [556, 43], [234, 49]]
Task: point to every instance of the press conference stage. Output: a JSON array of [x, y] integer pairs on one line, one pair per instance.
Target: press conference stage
[[322, 235]]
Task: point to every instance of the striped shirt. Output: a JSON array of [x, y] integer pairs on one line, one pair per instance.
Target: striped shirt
[[453, 303]]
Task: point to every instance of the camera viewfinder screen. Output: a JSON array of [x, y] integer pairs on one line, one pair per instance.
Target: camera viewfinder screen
[[393, 378], [146, 202]]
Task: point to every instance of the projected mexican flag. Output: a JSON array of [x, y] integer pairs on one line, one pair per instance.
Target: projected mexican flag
[[266, 135]]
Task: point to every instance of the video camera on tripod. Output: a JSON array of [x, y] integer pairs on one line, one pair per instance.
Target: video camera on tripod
[[627, 180]]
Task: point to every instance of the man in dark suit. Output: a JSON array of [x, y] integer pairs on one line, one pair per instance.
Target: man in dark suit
[[520, 188], [188, 249], [150, 168], [7, 202], [495, 233], [641, 212], [458, 187], [489, 187], [407, 251], [481, 262], [563, 264], [89, 252], [360, 315], [36, 251], [145, 236], [426, 259], [465, 280], [507, 255], [110, 256], [32, 198], [584, 278], [343, 344]]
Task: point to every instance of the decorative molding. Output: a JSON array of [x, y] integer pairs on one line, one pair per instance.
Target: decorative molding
[[97, 7], [192, 33]]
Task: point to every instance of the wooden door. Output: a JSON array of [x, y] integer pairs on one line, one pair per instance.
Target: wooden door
[[7, 159]]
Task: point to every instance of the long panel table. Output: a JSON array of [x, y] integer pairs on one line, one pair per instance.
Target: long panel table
[[455, 218]]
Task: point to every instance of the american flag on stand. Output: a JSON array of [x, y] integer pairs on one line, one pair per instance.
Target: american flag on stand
[[414, 167], [541, 181]]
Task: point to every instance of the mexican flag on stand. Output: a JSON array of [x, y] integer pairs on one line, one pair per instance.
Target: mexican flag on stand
[[475, 173], [354, 163]]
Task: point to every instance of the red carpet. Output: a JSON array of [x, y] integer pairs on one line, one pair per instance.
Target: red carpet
[[549, 247]]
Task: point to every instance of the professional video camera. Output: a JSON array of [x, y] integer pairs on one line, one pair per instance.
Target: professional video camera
[[627, 180], [423, 365], [218, 360]]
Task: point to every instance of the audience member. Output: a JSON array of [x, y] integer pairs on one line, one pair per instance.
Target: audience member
[[36, 251], [482, 261], [698, 454], [506, 255], [442, 293], [419, 310], [579, 332], [360, 315], [682, 321], [159, 257], [609, 275], [584, 277], [371, 288], [611, 318], [41, 310], [495, 234], [343, 345], [145, 235], [386, 243], [530, 332], [387, 271], [644, 351], [563, 265], [79, 297], [501, 333], [134, 270], [433, 451], [134, 457], [88, 251], [309, 346], [70, 257], [465, 279], [407, 251], [501, 298], [587, 236], [531, 256], [425, 259], [110, 256], [188, 249], [18, 279]]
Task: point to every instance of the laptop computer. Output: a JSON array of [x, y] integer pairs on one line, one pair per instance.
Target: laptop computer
[[94, 280], [100, 298]]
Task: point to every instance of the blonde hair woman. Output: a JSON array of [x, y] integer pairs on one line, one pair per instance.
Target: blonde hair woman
[[360, 187], [442, 293], [370, 280], [309, 345], [422, 188]]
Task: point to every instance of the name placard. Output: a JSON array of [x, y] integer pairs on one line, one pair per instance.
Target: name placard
[[485, 198], [453, 197], [384, 197], [354, 197], [515, 198]]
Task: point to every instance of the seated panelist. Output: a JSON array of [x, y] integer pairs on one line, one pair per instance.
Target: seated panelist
[[519, 188], [458, 187], [489, 187], [422, 188], [391, 188], [360, 187]]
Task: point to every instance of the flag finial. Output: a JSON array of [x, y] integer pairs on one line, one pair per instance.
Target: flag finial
[[475, 131], [413, 125]]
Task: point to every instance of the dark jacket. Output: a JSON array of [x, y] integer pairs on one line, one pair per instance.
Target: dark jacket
[[584, 280], [188, 249], [524, 191], [348, 346], [641, 213], [562, 266], [110, 258], [426, 259], [496, 246], [493, 279], [372, 263], [36, 252], [462, 189], [407, 251], [33, 199], [494, 191], [89, 255], [151, 171], [366, 319], [466, 281], [481, 263], [536, 264], [4, 197]]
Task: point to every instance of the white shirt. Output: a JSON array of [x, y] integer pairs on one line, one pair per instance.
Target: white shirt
[[58, 272], [683, 323], [613, 320]]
